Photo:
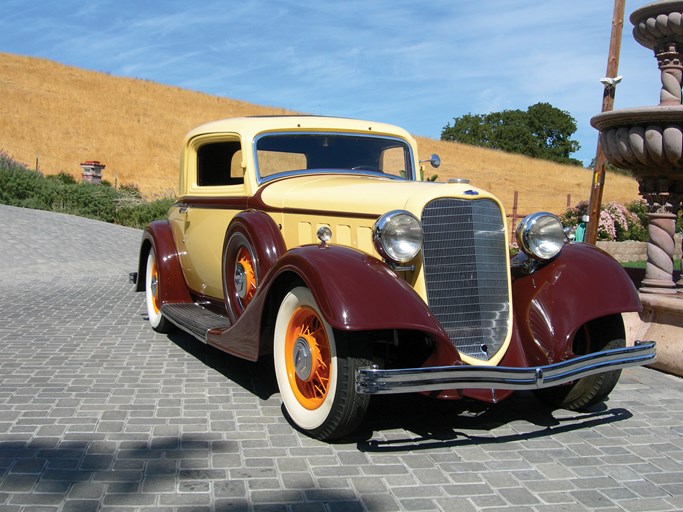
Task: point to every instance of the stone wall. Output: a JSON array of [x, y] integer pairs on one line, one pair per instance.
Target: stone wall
[[634, 251]]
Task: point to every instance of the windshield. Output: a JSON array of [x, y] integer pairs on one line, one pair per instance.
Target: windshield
[[282, 153]]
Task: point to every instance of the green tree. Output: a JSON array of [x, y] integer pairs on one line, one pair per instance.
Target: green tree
[[542, 131], [612, 168]]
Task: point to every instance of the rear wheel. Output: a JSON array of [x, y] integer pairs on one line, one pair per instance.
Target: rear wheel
[[158, 322], [588, 391], [315, 371], [241, 274]]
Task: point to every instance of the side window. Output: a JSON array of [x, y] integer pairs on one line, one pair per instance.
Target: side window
[[219, 163], [393, 161]]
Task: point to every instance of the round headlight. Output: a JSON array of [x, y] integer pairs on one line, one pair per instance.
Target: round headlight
[[398, 236], [540, 235]]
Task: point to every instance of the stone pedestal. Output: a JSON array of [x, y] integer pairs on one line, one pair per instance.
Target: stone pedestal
[[662, 322], [648, 141]]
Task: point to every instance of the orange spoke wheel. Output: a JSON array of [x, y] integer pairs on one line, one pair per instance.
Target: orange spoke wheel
[[314, 370], [307, 358], [245, 276]]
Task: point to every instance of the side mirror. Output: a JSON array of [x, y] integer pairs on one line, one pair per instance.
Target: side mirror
[[434, 161]]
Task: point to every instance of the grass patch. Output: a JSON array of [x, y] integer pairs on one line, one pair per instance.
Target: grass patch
[[641, 264], [20, 186]]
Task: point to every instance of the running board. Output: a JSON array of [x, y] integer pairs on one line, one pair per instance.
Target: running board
[[194, 319]]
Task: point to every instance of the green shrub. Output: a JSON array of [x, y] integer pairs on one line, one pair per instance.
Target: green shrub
[[20, 186], [62, 177], [139, 215], [638, 230], [131, 190], [85, 200]]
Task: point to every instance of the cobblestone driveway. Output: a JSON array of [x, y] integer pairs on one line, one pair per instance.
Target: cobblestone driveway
[[98, 412]]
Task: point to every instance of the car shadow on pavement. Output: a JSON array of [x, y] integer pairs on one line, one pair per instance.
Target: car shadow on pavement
[[396, 423], [431, 423], [258, 378]]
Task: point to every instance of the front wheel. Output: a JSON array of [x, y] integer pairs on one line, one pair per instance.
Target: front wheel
[[587, 391], [314, 369]]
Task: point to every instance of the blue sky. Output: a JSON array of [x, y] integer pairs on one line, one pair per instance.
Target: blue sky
[[415, 64]]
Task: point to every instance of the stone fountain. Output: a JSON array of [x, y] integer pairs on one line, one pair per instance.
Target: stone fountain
[[649, 142]]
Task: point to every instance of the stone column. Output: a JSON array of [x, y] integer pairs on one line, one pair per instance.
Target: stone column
[[660, 248], [679, 194], [668, 56], [662, 199]]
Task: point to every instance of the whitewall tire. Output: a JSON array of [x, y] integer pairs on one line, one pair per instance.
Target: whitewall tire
[[314, 371], [152, 278]]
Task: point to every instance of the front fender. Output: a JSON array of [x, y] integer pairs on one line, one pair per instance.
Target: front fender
[[582, 284], [356, 292]]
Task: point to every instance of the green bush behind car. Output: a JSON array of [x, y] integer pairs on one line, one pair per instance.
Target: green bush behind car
[[23, 187]]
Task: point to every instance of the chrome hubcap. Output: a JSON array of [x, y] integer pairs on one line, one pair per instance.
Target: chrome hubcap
[[240, 280], [153, 285], [302, 359]]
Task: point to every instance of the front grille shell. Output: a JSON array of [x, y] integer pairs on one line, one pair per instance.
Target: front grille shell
[[466, 273]]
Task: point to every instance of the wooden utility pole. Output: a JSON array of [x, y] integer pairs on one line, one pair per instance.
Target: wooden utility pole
[[607, 105]]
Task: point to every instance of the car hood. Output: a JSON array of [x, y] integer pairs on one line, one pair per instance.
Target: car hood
[[360, 195]]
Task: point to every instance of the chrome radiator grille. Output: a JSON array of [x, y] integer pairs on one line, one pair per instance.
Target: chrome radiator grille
[[465, 270]]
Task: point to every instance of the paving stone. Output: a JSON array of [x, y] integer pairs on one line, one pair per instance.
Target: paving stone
[[591, 498], [86, 491], [99, 412], [646, 505], [452, 504], [380, 502], [81, 506], [416, 504], [18, 483], [519, 496]]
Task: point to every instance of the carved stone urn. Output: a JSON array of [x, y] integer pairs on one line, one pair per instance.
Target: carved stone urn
[[649, 140]]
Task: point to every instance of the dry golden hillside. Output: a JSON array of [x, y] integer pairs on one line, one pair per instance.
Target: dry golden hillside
[[64, 115]]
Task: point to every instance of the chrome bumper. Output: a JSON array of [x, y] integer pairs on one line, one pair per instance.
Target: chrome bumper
[[373, 380]]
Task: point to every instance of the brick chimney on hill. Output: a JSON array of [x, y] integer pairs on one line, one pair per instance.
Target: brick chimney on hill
[[92, 171]]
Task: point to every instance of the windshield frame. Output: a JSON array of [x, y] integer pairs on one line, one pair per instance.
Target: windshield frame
[[410, 170]]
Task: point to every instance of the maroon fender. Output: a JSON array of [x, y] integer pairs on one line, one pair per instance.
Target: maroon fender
[[265, 240], [172, 287], [257, 225], [355, 292], [583, 283]]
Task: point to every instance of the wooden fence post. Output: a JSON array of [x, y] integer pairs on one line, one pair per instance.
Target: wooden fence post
[[514, 210]]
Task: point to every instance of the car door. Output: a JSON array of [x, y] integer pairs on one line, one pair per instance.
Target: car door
[[216, 195]]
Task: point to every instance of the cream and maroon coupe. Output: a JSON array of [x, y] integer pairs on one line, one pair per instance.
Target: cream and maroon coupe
[[314, 241]]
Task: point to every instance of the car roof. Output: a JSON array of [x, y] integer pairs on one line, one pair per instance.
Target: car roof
[[249, 127]]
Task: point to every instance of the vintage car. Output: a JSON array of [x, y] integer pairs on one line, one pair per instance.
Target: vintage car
[[314, 241]]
